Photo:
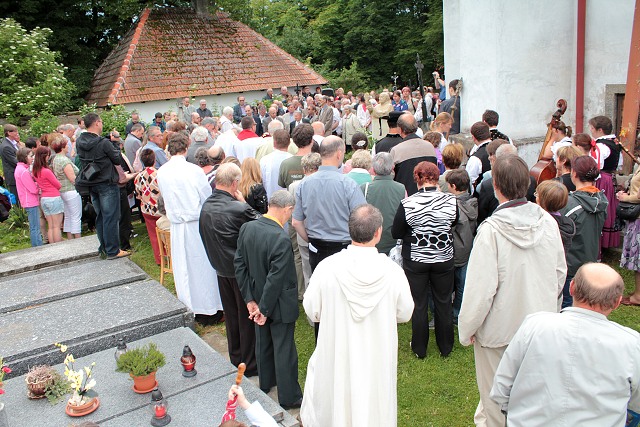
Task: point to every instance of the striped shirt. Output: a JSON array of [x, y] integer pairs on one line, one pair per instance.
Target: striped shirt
[[424, 222]]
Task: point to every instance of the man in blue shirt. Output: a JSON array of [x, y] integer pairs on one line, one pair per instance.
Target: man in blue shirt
[[324, 202]]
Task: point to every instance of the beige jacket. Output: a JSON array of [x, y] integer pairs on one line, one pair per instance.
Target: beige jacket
[[517, 267]]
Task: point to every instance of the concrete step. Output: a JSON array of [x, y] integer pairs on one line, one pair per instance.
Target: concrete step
[[193, 402], [88, 322], [44, 256], [64, 281]]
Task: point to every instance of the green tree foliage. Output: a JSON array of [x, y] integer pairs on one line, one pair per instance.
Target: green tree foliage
[[365, 38], [380, 36], [42, 123], [31, 81], [116, 117], [84, 31]]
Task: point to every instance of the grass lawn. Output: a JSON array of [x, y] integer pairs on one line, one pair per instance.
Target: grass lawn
[[431, 392]]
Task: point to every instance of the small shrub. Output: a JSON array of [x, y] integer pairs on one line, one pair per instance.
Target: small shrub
[[116, 116], [57, 389], [18, 218], [43, 123], [141, 361]]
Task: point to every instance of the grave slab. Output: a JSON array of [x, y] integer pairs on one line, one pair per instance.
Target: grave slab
[[88, 323], [197, 401], [65, 281], [44, 256]]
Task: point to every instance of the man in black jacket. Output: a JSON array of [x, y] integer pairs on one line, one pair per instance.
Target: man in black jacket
[[221, 217], [98, 157], [8, 152], [267, 278]]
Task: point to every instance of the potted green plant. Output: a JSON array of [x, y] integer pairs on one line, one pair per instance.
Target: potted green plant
[[38, 379], [142, 363], [84, 399]]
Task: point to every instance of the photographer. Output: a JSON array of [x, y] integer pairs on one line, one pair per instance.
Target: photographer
[[99, 179]]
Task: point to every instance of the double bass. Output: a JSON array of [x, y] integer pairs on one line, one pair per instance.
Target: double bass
[[545, 168]]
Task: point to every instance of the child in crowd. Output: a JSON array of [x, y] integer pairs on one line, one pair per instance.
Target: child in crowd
[[254, 411], [459, 182]]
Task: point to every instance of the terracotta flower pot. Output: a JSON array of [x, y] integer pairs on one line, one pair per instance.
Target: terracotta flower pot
[[144, 384], [83, 409]]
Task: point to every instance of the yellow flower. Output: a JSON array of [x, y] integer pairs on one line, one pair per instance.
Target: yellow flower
[[87, 370], [63, 348], [91, 384]]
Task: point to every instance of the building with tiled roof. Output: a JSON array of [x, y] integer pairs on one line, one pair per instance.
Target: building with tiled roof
[[172, 53]]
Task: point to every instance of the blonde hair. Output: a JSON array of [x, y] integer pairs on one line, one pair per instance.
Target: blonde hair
[[441, 119], [452, 155], [250, 175], [566, 155]]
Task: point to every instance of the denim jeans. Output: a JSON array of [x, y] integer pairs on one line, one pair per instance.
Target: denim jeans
[[106, 202], [34, 225], [459, 276], [567, 299]]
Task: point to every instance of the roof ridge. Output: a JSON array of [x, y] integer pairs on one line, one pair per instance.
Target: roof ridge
[[168, 53], [127, 60]]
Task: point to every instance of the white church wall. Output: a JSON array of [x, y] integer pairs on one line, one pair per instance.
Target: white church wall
[[519, 58], [608, 41]]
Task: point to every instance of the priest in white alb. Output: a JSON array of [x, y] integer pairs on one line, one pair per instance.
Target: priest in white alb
[[184, 188], [358, 296]]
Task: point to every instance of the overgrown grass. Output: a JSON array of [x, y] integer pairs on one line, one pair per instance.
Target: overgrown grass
[[436, 391]]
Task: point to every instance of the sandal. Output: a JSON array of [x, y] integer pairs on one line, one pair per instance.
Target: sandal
[[121, 254]]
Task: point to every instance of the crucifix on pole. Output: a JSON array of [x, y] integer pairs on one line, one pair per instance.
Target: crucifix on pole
[[419, 67], [395, 81]]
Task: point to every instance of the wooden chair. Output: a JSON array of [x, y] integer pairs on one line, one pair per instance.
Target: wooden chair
[[164, 244]]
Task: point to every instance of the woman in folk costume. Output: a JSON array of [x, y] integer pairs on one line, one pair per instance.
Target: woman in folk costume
[[380, 128], [601, 129], [184, 189]]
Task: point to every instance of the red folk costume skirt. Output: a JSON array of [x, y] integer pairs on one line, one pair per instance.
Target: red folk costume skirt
[[610, 236]]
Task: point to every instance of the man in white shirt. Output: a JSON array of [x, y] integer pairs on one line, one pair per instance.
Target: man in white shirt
[[270, 164], [478, 162], [575, 367], [226, 120]]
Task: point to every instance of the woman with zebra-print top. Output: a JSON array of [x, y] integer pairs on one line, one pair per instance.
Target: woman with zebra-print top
[[423, 221]]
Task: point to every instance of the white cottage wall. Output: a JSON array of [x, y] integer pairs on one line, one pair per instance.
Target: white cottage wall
[[215, 103]]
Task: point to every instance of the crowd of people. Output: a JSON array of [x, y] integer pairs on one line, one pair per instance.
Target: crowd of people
[[265, 213]]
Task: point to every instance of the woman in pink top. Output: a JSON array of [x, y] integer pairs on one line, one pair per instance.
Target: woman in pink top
[[50, 200], [28, 194]]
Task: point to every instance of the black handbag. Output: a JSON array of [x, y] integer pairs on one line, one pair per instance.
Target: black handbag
[[628, 211], [90, 171]]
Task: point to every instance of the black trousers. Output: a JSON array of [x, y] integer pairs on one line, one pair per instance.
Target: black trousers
[[241, 337], [439, 278], [324, 249], [278, 360]]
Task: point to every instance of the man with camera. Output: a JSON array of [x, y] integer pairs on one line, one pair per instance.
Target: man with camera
[[99, 179]]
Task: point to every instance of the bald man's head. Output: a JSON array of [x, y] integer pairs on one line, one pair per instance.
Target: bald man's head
[[216, 154], [597, 287], [318, 128]]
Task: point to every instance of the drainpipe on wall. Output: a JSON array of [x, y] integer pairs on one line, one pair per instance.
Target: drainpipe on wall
[[582, 14]]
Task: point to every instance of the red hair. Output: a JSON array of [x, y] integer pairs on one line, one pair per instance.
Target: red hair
[[425, 172]]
